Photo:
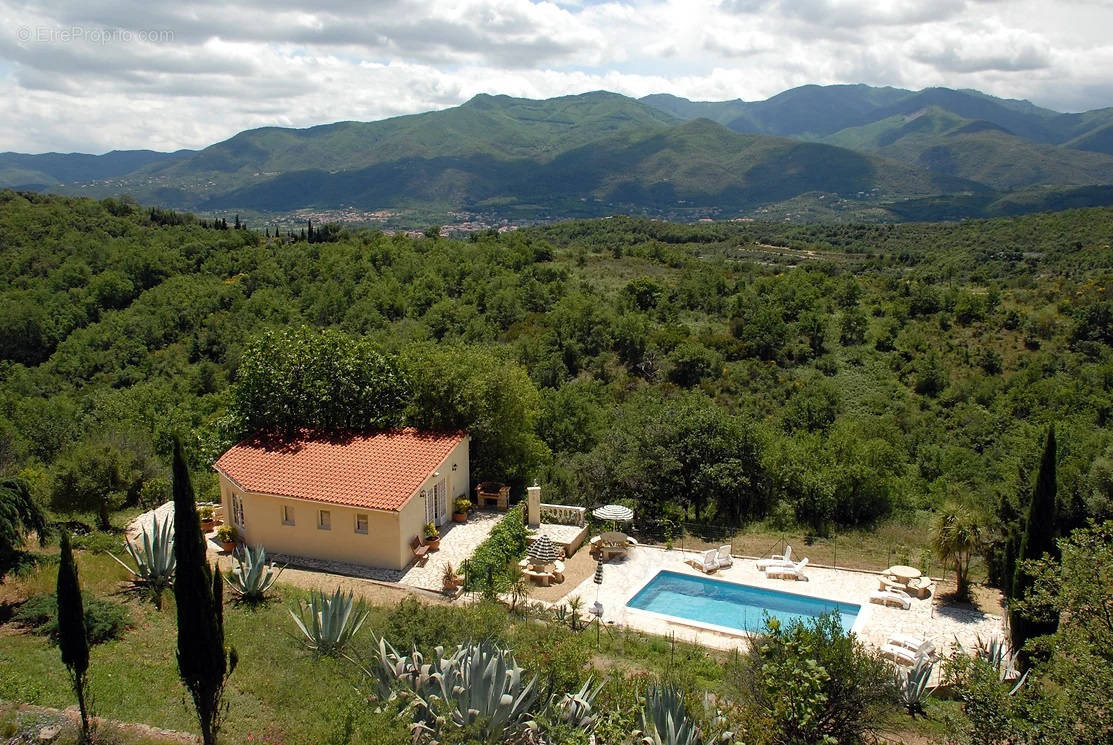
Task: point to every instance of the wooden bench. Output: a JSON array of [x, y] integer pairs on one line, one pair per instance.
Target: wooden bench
[[421, 553]]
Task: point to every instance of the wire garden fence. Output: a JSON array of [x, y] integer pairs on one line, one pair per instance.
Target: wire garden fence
[[848, 552]]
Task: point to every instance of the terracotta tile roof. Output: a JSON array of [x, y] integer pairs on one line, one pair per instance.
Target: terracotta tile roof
[[378, 471]]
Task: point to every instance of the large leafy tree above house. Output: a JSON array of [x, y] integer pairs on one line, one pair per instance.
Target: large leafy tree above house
[[486, 393], [330, 381], [322, 379]]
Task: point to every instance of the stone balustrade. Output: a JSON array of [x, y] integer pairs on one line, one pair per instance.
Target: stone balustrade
[[563, 514]]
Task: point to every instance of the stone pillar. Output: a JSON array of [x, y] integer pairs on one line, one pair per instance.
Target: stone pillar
[[533, 506]]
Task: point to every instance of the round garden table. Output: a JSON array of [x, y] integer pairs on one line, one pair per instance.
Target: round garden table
[[903, 573]]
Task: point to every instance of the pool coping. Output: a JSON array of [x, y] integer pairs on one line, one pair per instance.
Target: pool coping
[[859, 619]]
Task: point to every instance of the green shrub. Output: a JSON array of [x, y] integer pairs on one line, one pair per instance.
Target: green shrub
[[839, 690], [553, 650], [782, 516], [428, 626], [97, 542], [492, 567], [104, 620]]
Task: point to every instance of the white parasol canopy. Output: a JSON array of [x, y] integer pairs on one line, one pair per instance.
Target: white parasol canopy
[[614, 513]]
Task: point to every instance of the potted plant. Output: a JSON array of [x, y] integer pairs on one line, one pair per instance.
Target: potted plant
[[450, 580], [206, 515], [226, 534], [432, 537], [460, 509]]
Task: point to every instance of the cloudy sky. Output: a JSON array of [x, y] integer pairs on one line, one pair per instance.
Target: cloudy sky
[[97, 75]]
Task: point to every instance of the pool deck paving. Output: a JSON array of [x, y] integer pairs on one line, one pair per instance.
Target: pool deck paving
[[943, 624]]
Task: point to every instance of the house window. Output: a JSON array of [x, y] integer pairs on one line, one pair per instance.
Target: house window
[[237, 510], [361, 523], [324, 520], [287, 515]]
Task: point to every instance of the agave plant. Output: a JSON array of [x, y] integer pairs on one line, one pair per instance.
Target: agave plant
[[1000, 655], [396, 673], [477, 687], [154, 558], [327, 622], [666, 721], [253, 575], [480, 688], [912, 685], [574, 709]]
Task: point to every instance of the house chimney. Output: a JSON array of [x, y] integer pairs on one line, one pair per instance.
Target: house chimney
[[533, 506]]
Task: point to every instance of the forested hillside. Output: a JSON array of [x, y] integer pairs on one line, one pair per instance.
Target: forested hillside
[[834, 375], [834, 153]]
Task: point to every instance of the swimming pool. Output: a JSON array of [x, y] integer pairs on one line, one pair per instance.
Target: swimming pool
[[730, 605]]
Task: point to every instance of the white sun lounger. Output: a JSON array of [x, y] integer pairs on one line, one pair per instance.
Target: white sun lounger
[[908, 641], [707, 562], [790, 571], [906, 656], [898, 598], [763, 564], [723, 557]]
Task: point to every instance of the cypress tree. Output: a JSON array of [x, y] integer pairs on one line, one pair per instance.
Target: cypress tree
[[1003, 566], [198, 590], [73, 639], [1038, 539]]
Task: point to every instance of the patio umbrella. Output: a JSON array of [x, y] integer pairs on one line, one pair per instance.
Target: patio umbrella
[[598, 580], [542, 551], [616, 513]]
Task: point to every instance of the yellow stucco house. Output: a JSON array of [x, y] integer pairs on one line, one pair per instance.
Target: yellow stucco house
[[359, 499]]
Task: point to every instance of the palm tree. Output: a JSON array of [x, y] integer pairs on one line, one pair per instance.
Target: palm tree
[[19, 515], [957, 535]]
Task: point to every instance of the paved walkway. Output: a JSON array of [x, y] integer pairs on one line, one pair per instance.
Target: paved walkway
[[458, 542]]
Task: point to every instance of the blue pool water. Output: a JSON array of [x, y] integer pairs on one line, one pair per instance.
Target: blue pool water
[[732, 605]]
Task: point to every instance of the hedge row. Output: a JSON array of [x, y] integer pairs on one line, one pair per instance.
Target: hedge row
[[494, 565]]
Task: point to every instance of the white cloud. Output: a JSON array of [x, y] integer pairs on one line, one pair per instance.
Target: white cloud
[[977, 50], [95, 75]]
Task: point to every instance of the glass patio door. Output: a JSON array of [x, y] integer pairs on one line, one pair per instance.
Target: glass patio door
[[438, 502]]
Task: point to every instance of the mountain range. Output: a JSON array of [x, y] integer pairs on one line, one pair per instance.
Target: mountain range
[[820, 152]]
